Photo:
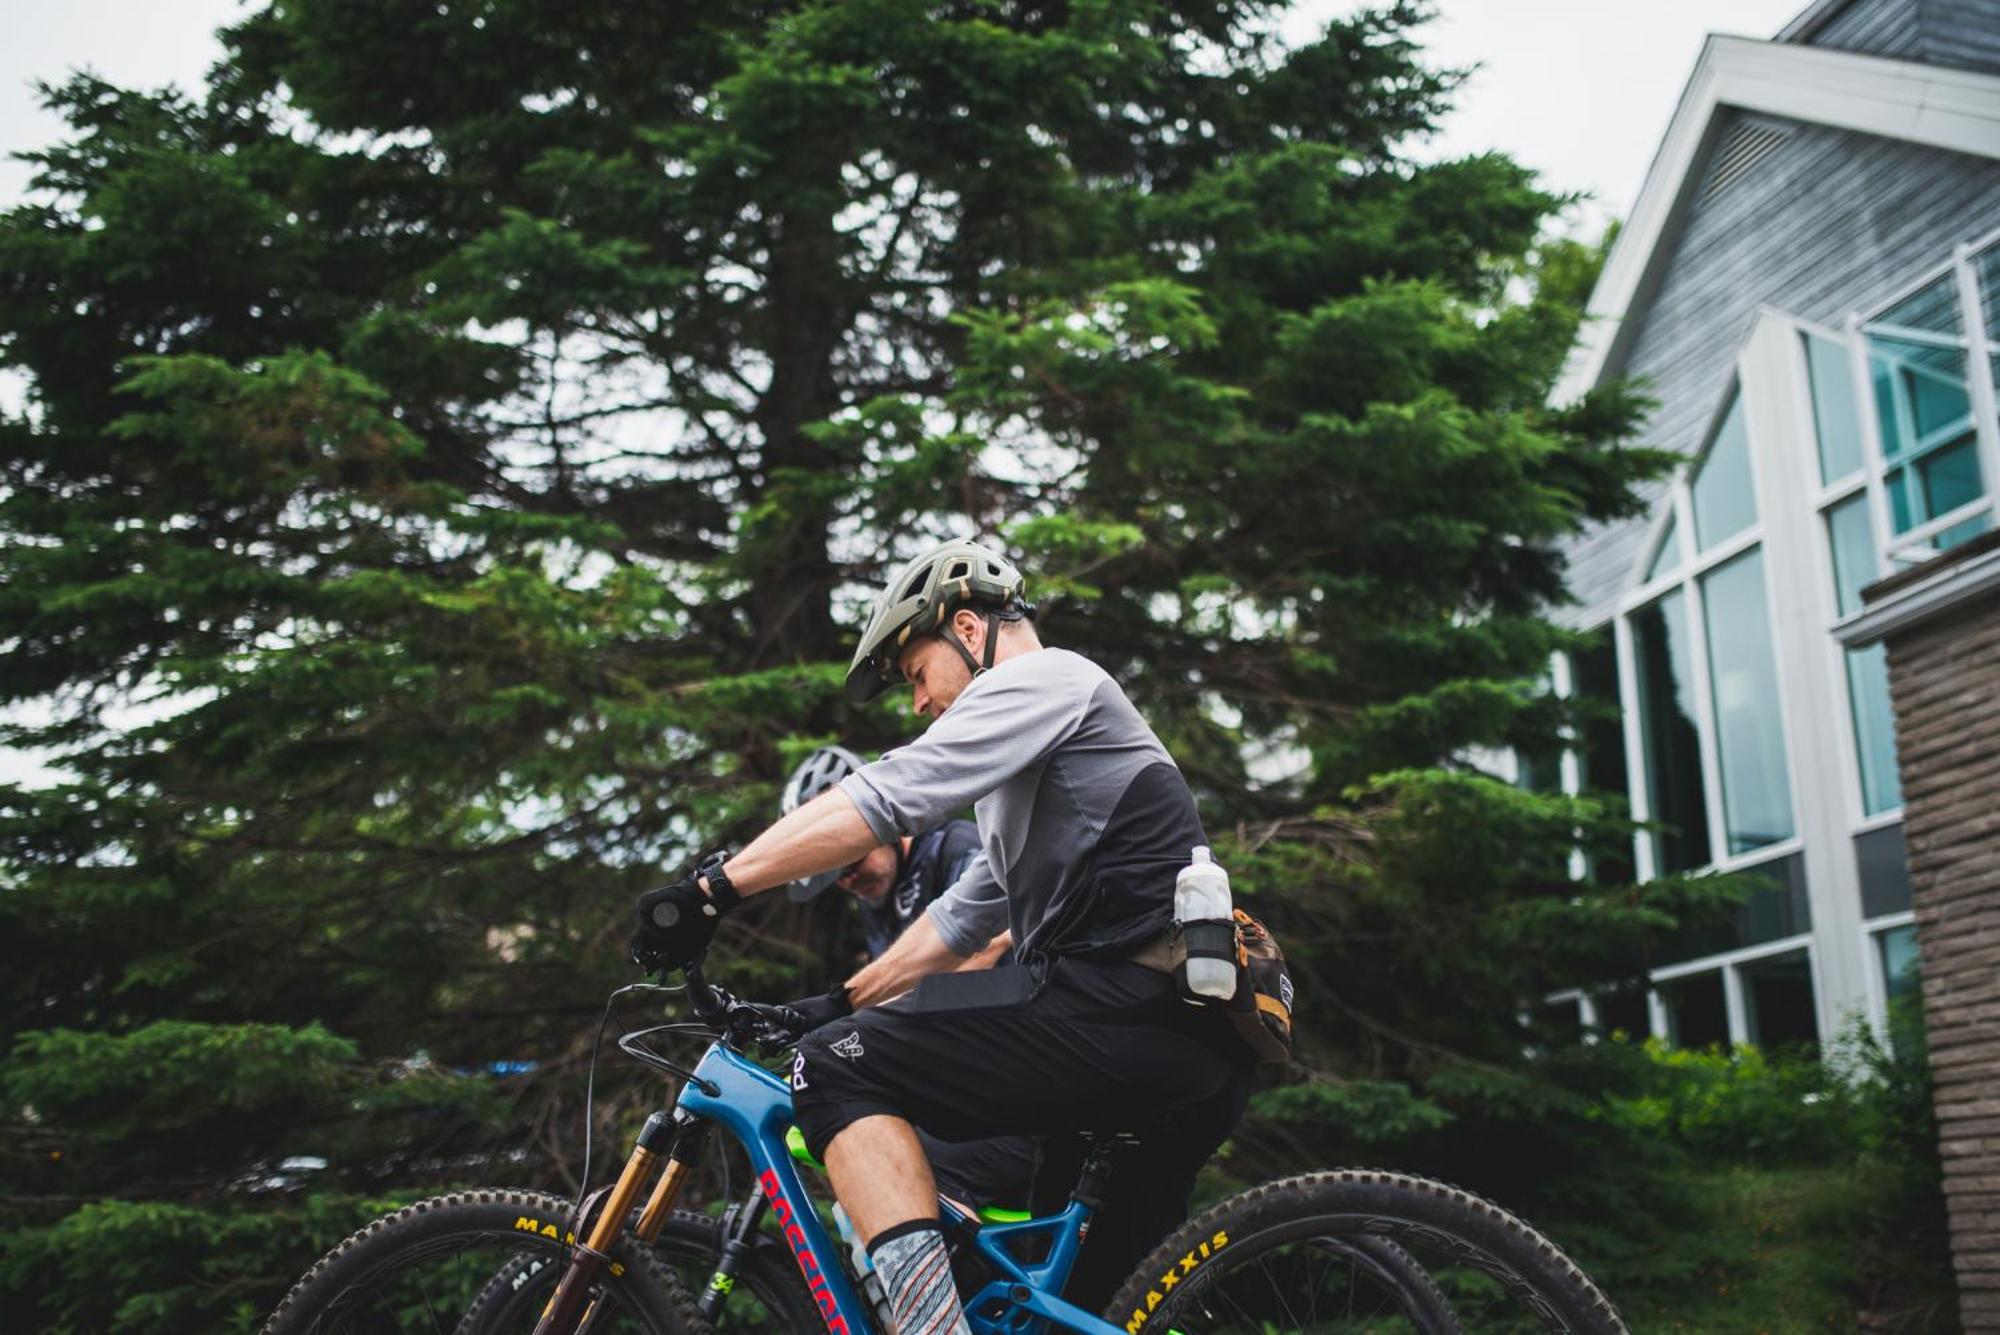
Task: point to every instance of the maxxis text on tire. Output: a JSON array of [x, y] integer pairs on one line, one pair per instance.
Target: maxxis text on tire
[[1429, 1218], [495, 1224]]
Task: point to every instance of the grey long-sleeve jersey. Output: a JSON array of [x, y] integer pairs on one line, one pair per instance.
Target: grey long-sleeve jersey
[[1083, 817]]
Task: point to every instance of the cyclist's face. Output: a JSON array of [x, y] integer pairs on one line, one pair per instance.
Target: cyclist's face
[[869, 879], [935, 671]]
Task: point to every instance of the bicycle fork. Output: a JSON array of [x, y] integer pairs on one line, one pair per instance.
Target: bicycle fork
[[572, 1311]]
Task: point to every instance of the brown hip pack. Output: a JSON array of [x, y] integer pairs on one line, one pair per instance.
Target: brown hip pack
[[1261, 1009]]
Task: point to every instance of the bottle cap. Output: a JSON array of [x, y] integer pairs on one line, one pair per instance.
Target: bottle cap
[[1202, 855]]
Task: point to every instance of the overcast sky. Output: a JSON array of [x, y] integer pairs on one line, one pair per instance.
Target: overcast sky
[[1581, 90]]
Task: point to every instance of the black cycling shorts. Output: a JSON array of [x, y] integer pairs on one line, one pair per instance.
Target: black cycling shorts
[[1097, 1046], [994, 1170]]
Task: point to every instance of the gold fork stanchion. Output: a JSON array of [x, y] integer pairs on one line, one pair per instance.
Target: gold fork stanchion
[[561, 1316]]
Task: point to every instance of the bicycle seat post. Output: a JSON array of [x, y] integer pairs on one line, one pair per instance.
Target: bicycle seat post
[[1095, 1175]]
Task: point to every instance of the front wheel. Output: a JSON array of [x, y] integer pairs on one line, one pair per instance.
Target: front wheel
[[1282, 1257], [423, 1269], [766, 1294]]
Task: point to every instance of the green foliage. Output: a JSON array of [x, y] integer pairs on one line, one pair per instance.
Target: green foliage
[[121, 1087], [1745, 1107], [115, 1266], [1376, 1110], [1812, 1196]]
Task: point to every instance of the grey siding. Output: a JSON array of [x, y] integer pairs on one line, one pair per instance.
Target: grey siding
[[1964, 34], [1872, 27], [1827, 223]]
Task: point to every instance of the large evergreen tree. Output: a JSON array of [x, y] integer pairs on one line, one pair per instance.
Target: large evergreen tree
[[454, 445]]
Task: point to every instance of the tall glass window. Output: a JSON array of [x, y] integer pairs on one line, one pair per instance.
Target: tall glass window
[[1835, 418], [1851, 537], [1916, 356], [1725, 502], [1778, 1000], [1898, 946], [1697, 1014], [1674, 792], [1601, 742], [1749, 732]]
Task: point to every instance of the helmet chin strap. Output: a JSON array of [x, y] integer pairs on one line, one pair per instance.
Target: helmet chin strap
[[974, 665]]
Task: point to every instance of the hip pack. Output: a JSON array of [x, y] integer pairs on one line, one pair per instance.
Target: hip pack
[[1261, 1010]]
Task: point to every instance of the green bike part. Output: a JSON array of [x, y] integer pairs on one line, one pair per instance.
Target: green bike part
[[795, 1141]]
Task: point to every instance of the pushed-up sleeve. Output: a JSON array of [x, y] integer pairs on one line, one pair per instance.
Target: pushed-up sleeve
[[972, 912], [1003, 723]]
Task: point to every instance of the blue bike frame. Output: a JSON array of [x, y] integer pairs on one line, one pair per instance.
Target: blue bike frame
[[755, 1107]]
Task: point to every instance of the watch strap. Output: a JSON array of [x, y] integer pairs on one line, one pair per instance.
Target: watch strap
[[721, 892]]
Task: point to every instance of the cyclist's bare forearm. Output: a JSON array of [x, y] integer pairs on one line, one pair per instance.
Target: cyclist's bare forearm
[[916, 954], [825, 833], [989, 955]]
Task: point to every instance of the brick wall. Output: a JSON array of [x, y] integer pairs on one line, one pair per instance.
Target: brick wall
[[1944, 676]]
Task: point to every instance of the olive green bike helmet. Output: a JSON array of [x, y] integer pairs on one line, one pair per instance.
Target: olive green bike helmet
[[920, 600]]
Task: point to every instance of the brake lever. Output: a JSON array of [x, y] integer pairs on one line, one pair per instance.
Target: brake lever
[[777, 1028], [711, 1004]]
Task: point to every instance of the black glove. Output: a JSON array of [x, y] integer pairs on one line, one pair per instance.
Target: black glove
[[675, 924], [810, 1013]]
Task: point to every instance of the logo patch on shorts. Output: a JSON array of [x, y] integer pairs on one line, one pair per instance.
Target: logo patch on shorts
[[798, 1071], [849, 1047]]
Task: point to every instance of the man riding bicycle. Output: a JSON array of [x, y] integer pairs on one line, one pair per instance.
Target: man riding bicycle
[[892, 885], [1084, 821]]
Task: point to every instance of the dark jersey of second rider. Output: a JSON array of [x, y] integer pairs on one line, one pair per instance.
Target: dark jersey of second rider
[[935, 860]]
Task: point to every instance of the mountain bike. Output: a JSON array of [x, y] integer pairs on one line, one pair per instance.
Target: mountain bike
[[1328, 1253]]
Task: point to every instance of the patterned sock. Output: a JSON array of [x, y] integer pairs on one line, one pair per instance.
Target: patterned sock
[[916, 1275]]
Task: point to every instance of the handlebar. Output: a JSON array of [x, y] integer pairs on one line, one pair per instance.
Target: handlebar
[[772, 1028], [738, 1024]]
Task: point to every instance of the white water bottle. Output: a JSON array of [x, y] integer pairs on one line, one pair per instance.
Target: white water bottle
[[1202, 910], [863, 1269]]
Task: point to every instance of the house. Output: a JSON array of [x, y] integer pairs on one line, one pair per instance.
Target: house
[[1810, 286]]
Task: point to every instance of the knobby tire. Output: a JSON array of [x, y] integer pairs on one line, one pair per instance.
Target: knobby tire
[[355, 1287], [768, 1296], [1196, 1282]]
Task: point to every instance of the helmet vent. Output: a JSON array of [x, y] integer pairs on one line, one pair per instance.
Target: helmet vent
[[959, 570], [917, 584]]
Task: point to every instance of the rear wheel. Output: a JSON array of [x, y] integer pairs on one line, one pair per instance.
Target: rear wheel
[[423, 1269], [1406, 1287], [1285, 1257]]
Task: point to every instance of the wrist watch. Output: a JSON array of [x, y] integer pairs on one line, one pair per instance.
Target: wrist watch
[[721, 892]]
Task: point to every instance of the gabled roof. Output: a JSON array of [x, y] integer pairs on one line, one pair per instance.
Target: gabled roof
[[1896, 99], [1810, 20]]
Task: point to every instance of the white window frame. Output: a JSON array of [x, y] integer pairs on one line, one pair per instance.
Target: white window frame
[[1878, 978], [1904, 549], [1823, 763], [1825, 497], [1686, 577], [1730, 964]]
